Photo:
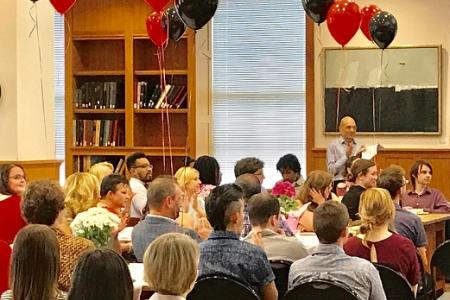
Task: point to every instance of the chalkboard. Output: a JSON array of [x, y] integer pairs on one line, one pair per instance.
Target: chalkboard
[[396, 91]]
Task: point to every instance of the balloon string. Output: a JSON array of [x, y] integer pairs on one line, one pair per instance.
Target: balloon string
[[338, 100], [167, 116], [69, 34], [36, 27], [163, 87]]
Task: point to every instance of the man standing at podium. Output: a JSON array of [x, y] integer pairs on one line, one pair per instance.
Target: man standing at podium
[[341, 149]]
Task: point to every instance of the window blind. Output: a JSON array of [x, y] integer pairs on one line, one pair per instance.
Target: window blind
[[259, 74], [59, 92]]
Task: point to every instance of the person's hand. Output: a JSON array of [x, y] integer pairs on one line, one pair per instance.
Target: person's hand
[[316, 196], [349, 149], [203, 228], [360, 151]]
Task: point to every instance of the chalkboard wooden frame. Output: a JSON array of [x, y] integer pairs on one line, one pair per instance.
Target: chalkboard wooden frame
[[406, 92]]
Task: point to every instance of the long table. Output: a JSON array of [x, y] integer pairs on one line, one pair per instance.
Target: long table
[[434, 225]]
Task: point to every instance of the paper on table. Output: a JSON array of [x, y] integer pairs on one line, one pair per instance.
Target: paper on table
[[370, 151]]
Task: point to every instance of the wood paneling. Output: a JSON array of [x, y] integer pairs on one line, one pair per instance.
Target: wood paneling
[[39, 169], [439, 159]]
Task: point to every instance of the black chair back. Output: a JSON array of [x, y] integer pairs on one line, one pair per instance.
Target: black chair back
[[395, 286], [320, 289], [441, 258], [221, 287], [281, 270]]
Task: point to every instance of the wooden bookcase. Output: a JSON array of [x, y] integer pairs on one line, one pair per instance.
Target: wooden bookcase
[[108, 54]]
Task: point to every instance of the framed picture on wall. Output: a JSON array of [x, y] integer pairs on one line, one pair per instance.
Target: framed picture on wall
[[392, 91]]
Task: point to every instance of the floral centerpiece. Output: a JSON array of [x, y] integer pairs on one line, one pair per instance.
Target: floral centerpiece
[[96, 225], [285, 192]]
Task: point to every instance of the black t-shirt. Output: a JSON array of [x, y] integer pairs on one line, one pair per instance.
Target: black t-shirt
[[351, 200]]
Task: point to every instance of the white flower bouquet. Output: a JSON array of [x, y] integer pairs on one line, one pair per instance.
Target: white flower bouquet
[[96, 225]]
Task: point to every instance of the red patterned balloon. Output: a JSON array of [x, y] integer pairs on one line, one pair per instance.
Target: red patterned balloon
[[343, 20], [367, 12], [157, 5], [62, 6], [157, 28]]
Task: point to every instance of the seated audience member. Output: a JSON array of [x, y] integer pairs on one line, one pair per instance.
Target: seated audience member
[[290, 169], [43, 203], [115, 195], [316, 190], [224, 253], [5, 256], [330, 262], [210, 175], [12, 185], [406, 223], [343, 186], [380, 245], [189, 182], [82, 192], [141, 171], [164, 199], [170, 266], [364, 175], [250, 165], [101, 274], [421, 195], [188, 161], [34, 265], [101, 170], [193, 214], [264, 212], [250, 185]]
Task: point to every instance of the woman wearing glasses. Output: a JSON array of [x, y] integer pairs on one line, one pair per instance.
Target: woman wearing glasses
[[12, 186]]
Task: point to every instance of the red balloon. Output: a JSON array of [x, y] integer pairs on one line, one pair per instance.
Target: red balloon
[[343, 20], [367, 12], [157, 5], [157, 28], [62, 6]]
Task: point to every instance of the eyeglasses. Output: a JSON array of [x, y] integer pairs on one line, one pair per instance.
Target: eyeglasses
[[18, 177], [144, 167]]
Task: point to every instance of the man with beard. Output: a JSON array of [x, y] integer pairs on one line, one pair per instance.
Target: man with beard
[[140, 174]]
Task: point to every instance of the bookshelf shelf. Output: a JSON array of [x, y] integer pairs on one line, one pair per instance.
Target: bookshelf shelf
[[158, 111], [98, 111], [100, 73], [87, 37], [113, 84], [157, 72]]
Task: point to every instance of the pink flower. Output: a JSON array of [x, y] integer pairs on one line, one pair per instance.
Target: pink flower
[[283, 188]]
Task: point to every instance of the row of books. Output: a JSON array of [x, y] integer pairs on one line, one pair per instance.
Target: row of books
[[96, 133], [100, 95], [83, 163], [156, 96]]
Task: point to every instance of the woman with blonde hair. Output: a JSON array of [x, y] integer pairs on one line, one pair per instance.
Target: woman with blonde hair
[[34, 265], [170, 266], [82, 192], [314, 191], [380, 245], [101, 170]]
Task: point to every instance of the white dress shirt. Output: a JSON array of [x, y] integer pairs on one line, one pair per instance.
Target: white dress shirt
[[139, 199]]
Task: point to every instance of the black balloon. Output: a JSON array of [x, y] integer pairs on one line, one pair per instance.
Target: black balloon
[[383, 28], [176, 25], [196, 13], [317, 10]]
